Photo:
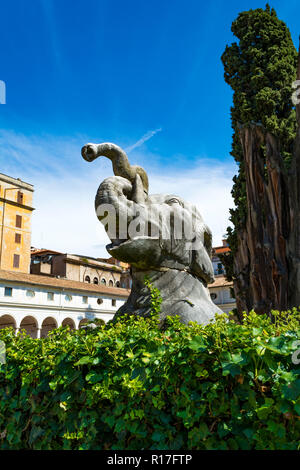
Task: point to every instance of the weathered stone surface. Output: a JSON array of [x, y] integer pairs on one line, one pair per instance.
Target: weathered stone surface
[[150, 236]]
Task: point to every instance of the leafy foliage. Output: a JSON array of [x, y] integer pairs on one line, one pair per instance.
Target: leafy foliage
[[156, 298], [260, 69], [132, 385]]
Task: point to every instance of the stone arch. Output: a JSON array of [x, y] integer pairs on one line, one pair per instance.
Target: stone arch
[[68, 322], [111, 283], [82, 322], [7, 321], [48, 324], [96, 280], [30, 325]]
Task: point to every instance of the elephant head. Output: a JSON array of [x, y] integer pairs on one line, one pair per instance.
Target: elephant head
[[160, 236]]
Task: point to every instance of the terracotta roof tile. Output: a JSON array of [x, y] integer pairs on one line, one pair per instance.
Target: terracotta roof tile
[[43, 250], [221, 249], [59, 283]]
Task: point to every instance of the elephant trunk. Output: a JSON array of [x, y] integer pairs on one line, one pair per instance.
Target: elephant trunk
[[119, 159]]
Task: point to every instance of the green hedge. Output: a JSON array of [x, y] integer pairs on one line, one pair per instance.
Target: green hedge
[[131, 385]]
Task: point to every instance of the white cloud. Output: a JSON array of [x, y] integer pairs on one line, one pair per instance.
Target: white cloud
[[65, 188], [208, 186]]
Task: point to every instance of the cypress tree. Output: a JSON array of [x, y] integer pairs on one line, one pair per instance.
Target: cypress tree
[[260, 68]]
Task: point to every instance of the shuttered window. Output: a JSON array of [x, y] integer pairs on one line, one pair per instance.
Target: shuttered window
[[16, 261], [8, 291], [19, 221], [17, 238], [20, 197]]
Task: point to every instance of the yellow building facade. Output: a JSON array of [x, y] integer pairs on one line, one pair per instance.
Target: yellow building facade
[[15, 224]]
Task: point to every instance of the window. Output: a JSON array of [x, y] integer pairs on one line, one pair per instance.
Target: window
[[113, 302], [111, 283], [50, 296], [96, 280], [103, 281], [30, 293], [220, 268], [213, 296], [87, 279], [19, 221], [117, 284], [84, 299], [68, 298], [16, 261], [99, 301], [17, 238], [20, 197], [8, 291]]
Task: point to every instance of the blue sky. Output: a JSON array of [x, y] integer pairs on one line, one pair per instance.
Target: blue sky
[[146, 75]]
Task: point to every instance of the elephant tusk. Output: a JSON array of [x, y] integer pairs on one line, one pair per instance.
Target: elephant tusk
[[138, 194]]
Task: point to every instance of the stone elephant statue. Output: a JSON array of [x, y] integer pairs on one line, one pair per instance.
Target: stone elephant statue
[[161, 236]]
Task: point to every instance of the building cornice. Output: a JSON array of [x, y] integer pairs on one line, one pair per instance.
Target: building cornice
[[16, 182], [17, 204], [44, 285], [103, 267], [57, 307]]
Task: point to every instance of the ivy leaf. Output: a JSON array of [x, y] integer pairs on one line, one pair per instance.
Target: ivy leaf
[[84, 360], [158, 436], [292, 390], [35, 432], [203, 431], [93, 377], [197, 344], [230, 368]]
